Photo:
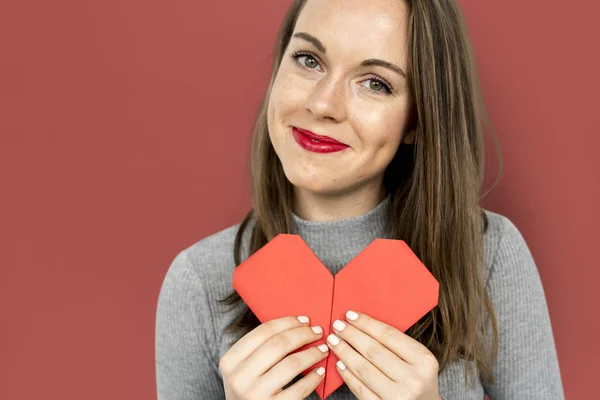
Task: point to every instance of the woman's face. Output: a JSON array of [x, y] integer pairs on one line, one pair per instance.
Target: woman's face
[[326, 90]]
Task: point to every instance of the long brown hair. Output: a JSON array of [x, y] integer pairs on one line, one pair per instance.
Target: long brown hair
[[435, 185]]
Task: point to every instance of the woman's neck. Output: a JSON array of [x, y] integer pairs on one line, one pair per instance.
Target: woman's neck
[[312, 206], [337, 242]]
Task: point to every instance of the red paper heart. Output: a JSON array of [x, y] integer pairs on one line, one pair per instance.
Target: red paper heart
[[386, 281]]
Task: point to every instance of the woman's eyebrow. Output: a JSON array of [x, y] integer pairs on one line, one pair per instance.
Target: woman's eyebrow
[[366, 63]]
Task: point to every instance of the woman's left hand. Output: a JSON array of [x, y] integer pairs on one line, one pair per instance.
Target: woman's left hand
[[380, 362]]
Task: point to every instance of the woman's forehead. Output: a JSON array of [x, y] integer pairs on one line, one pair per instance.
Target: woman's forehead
[[373, 28], [381, 16]]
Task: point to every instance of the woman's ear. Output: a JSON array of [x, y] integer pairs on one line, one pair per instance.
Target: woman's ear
[[409, 137]]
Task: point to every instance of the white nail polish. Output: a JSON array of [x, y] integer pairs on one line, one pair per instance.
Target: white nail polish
[[340, 365], [334, 340], [351, 315], [303, 318], [323, 347], [339, 325], [317, 329], [320, 371]]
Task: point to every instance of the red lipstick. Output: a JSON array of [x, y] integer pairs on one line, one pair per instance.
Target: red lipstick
[[316, 143]]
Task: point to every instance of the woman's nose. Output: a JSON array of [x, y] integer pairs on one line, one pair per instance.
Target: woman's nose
[[327, 99]]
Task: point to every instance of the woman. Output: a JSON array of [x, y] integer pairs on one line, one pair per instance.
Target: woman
[[345, 151]]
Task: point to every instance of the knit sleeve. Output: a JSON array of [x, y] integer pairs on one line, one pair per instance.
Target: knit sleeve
[[527, 364], [186, 368]]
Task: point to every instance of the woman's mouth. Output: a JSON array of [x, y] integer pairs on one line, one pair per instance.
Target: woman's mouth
[[316, 143]]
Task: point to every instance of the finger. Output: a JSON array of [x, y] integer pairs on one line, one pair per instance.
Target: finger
[[304, 387], [287, 369], [356, 386], [360, 367], [380, 356], [398, 342], [248, 343], [276, 348]]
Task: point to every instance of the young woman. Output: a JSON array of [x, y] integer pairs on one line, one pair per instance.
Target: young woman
[[371, 127]]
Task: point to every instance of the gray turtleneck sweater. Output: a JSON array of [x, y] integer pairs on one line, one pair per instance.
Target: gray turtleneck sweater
[[189, 321]]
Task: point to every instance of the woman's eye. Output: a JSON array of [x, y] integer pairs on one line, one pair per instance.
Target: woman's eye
[[378, 86], [309, 63]]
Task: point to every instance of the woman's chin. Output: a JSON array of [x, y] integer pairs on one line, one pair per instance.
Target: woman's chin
[[322, 187], [310, 184]]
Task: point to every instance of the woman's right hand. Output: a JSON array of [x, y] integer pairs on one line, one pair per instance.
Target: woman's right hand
[[258, 366]]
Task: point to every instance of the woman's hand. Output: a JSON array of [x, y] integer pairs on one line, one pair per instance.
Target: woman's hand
[[380, 362], [258, 365]]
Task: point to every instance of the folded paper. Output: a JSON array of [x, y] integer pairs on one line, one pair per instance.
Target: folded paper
[[386, 281]]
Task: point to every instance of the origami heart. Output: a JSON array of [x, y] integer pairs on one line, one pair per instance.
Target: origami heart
[[386, 281]]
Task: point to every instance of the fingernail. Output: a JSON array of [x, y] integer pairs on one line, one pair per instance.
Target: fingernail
[[334, 340], [303, 319], [340, 365], [323, 347], [351, 315], [320, 371], [339, 325], [317, 329]]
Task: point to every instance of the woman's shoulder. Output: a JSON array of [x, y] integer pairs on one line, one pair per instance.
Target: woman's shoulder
[[216, 247], [209, 260], [505, 247]]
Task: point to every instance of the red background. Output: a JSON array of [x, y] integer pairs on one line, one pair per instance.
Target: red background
[[125, 128]]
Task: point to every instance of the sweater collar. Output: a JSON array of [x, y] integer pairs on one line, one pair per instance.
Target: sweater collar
[[336, 243]]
